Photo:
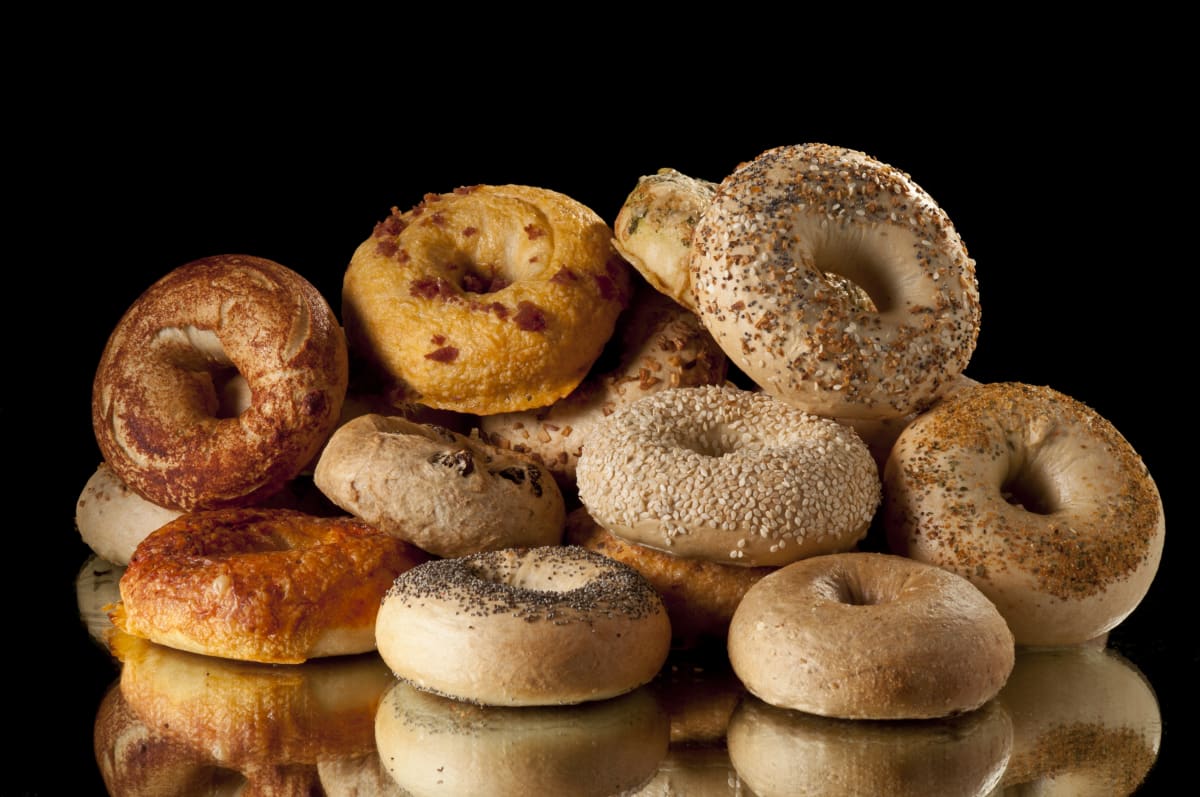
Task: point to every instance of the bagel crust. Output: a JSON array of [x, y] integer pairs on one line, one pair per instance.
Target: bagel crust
[[155, 397], [266, 585], [524, 627], [869, 636], [658, 345], [731, 476], [489, 299], [1035, 498], [761, 259], [457, 495]]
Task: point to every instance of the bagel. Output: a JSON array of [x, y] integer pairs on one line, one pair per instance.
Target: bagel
[[1085, 721], [155, 405], [760, 259], [262, 722], [780, 752], [654, 227], [459, 495], [658, 345], [1036, 499], [869, 636], [262, 585], [112, 519], [524, 627], [432, 745], [730, 476], [97, 590], [489, 299], [700, 596]]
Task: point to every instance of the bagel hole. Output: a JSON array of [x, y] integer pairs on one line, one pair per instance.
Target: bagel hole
[[858, 275], [482, 278], [232, 391], [530, 575], [852, 593], [715, 442], [1030, 489]]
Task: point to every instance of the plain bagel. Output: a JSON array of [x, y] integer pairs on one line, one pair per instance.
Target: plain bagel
[[760, 259], [156, 406], [869, 636], [553, 625], [446, 493], [728, 475], [1037, 500]]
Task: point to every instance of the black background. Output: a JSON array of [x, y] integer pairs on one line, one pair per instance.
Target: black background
[[1060, 191]]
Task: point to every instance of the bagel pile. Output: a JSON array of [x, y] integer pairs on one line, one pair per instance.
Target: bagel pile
[[725, 391]]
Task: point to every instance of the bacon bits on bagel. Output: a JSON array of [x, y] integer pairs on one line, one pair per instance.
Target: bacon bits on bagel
[[267, 585], [1035, 498], [156, 394], [446, 493], [761, 257], [490, 299]]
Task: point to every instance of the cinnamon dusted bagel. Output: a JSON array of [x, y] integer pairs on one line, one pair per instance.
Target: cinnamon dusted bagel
[[155, 399], [658, 345], [447, 494], [761, 257], [1037, 500], [489, 299], [263, 585]]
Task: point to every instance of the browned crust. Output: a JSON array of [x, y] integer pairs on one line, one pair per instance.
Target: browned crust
[[258, 584], [154, 402]]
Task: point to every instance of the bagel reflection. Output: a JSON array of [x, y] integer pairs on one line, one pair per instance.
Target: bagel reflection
[[1085, 722], [783, 752], [263, 726], [435, 745], [97, 589]]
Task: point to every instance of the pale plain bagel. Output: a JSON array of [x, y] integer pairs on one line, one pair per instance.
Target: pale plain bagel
[[653, 230], [1037, 500], [524, 627], [487, 299], [445, 493], [869, 636], [784, 753], [658, 345], [433, 745], [156, 408], [760, 259], [112, 519], [1085, 721], [728, 475]]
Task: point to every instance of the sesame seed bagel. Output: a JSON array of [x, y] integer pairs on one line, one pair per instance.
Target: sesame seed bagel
[[433, 745], [156, 408], [446, 493], [654, 227], [869, 636], [699, 596], [728, 475], [488, 299], [265, 585], [1036, 499], [760, 259], [658, 345], [524, 627]]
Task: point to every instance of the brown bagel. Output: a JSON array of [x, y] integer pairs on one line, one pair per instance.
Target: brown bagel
[[155, 404]]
